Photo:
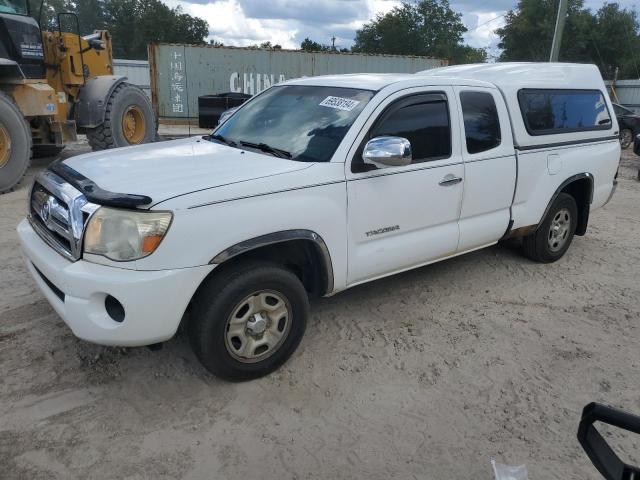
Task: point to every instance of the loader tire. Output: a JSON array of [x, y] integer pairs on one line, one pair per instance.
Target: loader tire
[[15, 144], [128, 120]]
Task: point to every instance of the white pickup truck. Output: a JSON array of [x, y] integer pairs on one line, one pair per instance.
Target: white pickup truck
[[314, 186]]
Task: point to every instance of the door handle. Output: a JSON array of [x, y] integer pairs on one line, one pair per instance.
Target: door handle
[[449, 179]]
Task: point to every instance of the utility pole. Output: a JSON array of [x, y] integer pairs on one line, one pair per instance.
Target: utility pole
[[557, 34]]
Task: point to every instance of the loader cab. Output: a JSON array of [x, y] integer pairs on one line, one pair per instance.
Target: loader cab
[[21, 53]]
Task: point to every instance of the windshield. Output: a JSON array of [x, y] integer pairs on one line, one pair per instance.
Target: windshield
[[13, 6], [304, 123]]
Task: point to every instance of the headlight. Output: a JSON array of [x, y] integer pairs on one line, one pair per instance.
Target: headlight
[[123, 235]]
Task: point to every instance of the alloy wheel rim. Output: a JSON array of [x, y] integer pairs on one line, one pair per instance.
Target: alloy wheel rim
[[627, 138], [133, 126], [5, 146], [559, 230], [258, 326]]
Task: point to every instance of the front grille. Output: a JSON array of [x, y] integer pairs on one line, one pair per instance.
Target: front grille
[[58, 212], [51, 214]]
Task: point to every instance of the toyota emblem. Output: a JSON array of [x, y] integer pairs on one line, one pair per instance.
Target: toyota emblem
[[45, 211]]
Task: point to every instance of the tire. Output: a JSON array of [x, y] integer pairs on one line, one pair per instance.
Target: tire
[[543, 245], [224, 305], [15, 130], [124, 99], [626, 138]]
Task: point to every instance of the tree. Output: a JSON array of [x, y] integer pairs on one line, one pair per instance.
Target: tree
[[268, 46], [528, 31], [468, 54], [609, 38], [132, 23], [616, 43], [309, 45], [428, 27], [49, 10], [265, 46]]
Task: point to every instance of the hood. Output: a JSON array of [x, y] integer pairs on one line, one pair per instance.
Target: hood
[[169, 169]]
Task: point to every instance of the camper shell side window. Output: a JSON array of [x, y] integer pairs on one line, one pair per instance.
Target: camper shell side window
[[557, 111]]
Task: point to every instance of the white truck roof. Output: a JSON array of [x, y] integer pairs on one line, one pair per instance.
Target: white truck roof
[[508, 76], [378, 81]]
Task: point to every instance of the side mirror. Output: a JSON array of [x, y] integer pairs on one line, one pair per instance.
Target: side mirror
[[596, 447], [387, 152]]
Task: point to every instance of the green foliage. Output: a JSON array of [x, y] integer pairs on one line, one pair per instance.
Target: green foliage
[[617, 40], [132, 23], [428, 27], [309, 45], [265, 46], [609, 37]]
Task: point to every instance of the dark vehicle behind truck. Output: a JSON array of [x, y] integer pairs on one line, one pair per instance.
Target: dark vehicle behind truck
[[629, 123]]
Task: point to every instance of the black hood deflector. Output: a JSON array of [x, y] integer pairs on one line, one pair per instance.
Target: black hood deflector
[[94, 193]]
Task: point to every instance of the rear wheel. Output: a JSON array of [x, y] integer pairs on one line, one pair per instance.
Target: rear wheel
[[626, 138], [248, 322], [129, 120], [15, 144], [554, 235]]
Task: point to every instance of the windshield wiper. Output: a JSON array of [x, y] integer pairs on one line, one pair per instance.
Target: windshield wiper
[[267, 149], [222, 139]]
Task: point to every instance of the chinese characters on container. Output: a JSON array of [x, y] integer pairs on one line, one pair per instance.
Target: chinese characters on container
[[177, 76]]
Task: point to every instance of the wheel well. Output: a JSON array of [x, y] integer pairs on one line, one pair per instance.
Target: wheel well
[[303, 257], [582, 191]]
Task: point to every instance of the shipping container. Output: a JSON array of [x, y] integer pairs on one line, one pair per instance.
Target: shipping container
[[182, 73], [136, 71]]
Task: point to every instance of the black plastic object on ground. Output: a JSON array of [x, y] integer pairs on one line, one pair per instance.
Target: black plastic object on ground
[[597, 448], [210, 107]]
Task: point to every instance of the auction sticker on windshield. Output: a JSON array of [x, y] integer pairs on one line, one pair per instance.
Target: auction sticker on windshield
[[339, 103]]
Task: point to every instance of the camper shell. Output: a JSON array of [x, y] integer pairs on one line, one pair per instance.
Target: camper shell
[[512, 79]]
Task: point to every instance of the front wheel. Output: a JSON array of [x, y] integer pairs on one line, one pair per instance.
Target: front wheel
[[249, 321], [129, 120], [554, 235]]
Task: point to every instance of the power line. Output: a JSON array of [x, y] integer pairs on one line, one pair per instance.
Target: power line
[[488, 21]]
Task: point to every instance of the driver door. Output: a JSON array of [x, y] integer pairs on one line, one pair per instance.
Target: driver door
[[403, 217]]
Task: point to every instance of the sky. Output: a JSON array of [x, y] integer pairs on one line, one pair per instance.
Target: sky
[[289, 22]]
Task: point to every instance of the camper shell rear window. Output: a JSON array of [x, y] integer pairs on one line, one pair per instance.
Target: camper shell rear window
[[557, 111]]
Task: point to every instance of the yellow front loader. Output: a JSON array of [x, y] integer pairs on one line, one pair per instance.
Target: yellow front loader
[[55, 84]]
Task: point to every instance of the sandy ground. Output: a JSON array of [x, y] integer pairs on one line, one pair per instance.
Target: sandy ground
[[425, 375]]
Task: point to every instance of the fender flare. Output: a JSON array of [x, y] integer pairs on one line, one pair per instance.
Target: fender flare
[[584, 218], [92, 100], [281, 237]]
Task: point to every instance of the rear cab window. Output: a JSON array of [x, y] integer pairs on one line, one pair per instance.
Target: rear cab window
[[557, 111], [481, 121]]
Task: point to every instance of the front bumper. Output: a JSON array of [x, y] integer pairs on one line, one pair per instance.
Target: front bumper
[[154, 301]]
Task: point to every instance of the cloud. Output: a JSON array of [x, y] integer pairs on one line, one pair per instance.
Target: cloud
[[284, 22], [288, 22]]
